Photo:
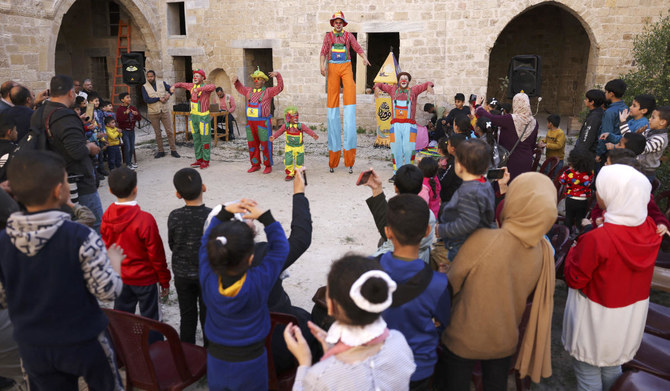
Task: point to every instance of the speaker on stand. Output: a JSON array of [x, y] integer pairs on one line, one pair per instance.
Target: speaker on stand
[[132, 65], [525, 74]]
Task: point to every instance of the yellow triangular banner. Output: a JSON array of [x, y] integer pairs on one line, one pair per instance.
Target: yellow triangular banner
[[388, 72]]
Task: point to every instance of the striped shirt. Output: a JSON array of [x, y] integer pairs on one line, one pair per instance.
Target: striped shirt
[[657, 142], [347, 39], [224, 106], [471, 207], [253, 95]]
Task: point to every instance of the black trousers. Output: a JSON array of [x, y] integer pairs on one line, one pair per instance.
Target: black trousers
[[575, 211], [189, 297], [454, 373]]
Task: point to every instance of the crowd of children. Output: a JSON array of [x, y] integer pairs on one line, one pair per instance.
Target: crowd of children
[[420, 302]]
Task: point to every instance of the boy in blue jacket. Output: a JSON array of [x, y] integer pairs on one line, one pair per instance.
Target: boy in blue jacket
[[422, 295]]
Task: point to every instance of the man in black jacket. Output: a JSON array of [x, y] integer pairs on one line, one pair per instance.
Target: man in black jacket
[[68, 140], [588, 135]]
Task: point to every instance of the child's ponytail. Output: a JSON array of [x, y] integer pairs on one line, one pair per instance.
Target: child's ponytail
[[230, 245]]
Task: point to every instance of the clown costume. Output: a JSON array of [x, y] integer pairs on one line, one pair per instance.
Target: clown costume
[[335, 54], [258, 101], [403, 125], [294, 150], [199, 120]]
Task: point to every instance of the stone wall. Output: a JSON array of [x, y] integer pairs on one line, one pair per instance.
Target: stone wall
[[447, 41]]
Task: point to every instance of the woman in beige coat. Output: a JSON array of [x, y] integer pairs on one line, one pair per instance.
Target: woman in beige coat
[[492, 278]]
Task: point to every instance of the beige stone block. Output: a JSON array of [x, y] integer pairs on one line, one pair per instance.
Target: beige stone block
[[16, 59]]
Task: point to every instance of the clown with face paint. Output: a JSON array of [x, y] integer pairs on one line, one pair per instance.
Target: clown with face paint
[[336, 61], [403, 125], [259, 99], [199, 120], [294, 150]]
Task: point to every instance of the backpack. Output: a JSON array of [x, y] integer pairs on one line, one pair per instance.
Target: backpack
[[38, 138]]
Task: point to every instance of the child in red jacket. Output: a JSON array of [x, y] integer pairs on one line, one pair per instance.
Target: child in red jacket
[[136, 231], [609, 274]]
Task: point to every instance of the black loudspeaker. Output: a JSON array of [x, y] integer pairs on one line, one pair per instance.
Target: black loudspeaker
[[132, 65], [525, 74]]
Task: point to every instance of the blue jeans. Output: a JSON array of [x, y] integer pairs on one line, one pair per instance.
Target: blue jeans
[[128, 137], [92, 202], [114, 156], [592, 378]]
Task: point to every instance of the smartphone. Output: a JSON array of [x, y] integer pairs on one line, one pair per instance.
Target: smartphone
[[304, 176], [364, 177], [473, 98], [495, 173]]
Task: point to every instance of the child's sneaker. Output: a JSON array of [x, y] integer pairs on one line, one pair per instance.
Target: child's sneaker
[[196, 163], [267, 170], [288, 178], [204, 164]]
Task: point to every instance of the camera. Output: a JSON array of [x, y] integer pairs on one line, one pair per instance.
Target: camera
[[473, 98]]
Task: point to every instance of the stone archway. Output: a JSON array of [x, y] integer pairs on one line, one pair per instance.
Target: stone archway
[[220, 78], [79, 42], [552, 31]]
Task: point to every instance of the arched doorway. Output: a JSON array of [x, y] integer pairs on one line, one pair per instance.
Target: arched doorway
[[87, 40], [554, 33]]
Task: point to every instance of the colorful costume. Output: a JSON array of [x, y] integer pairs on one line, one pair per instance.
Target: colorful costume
[[336, 49], [258, 118], [403, 125], [199, 120], [294, 150]]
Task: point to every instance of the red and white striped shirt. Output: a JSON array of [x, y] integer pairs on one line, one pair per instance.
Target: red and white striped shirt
[[253, 94]]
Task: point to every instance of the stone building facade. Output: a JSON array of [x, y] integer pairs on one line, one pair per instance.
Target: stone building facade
[[462, 46]]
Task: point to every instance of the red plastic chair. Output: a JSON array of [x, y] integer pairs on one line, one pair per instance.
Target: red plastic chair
[[652, 357], [282, 381], [559, 186], [536, 160], [640, 381], [552, 163], [560, 258], [658, 321], [165, 365]]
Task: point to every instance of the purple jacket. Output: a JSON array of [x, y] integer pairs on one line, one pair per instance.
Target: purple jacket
[[522, 159]]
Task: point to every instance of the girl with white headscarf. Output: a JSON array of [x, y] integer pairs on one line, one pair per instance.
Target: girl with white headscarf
[[609, 274], [519, 126]]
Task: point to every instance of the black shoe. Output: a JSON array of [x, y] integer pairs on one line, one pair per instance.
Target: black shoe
[[159, 155], [174, 154], [351, 170], [392, 179], [331, 170]]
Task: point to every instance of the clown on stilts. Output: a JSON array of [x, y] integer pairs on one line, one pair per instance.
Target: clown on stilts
[[403, 126], [294, 150], [336, 66], [199, 121], [258, 100]]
